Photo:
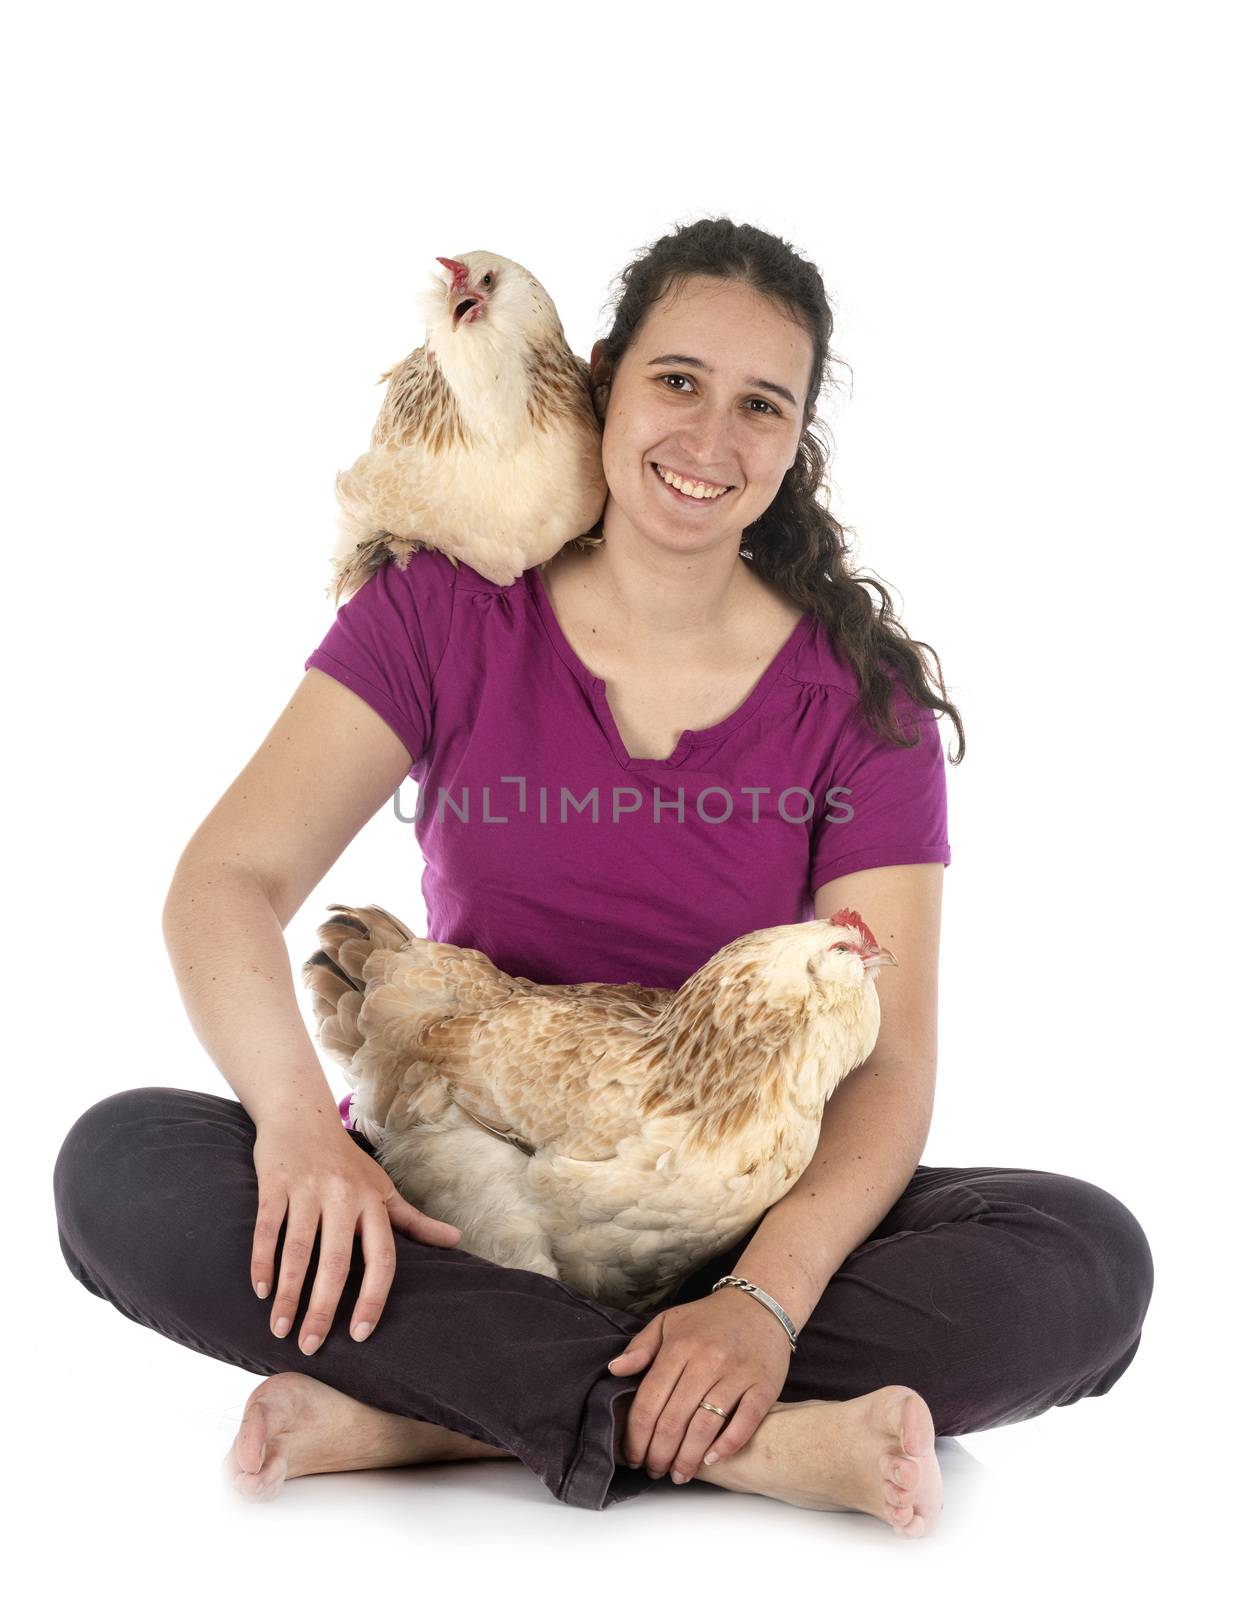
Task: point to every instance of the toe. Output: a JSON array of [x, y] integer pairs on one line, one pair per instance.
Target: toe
[[252, 1438], [915, 1426], [245, 1483], [263, 1485], [900, 1470]]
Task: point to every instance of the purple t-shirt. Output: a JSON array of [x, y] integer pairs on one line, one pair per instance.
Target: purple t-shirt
[[566, 860]]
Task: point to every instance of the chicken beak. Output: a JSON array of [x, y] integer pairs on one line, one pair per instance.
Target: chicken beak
[[883, 958]]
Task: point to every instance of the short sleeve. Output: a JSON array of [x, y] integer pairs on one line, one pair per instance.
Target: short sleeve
[[387, 641], [886, 804]]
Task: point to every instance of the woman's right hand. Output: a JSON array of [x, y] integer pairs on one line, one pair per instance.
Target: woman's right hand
[[321, 1179]]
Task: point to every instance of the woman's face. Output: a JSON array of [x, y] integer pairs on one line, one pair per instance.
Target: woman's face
[[696, 392]]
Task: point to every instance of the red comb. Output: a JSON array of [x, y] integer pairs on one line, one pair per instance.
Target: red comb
[[460, 273], [853, 919]]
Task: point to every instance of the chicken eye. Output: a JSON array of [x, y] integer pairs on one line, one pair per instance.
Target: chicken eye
[[486, 280]]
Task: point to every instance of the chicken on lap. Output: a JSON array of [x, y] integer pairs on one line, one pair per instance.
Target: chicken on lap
[[487, 446], [612, 1136]]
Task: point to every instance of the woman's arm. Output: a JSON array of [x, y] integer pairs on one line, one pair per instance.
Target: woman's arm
[[877, 1121], [325, 768]]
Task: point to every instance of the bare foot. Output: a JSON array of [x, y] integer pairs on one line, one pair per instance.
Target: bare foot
[[294, 1425], [873, 1454]]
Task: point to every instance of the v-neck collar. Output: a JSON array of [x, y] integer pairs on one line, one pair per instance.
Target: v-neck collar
[[691, 738]]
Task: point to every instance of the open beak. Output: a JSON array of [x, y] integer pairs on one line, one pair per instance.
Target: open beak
[[460, 290], [880, 958]]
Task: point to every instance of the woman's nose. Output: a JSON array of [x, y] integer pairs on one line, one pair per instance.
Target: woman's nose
[[706, 440]]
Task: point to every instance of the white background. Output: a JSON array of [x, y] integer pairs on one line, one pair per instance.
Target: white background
[[218, 218]]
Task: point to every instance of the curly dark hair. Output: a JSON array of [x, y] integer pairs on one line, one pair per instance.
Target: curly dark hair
[[796, 544]]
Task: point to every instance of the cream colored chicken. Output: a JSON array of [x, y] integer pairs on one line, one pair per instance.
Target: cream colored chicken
[[487, 446], [612, 1136]]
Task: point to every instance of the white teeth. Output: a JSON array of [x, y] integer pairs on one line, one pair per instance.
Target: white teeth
[[695, 491]]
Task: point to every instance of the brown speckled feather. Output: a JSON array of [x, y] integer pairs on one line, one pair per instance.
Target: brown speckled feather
[[419, 407]]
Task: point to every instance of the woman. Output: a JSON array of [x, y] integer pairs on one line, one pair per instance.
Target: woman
[[924, 1300]]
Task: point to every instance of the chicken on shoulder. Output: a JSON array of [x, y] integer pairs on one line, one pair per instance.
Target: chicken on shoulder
[[612, 1136], [487, 446]]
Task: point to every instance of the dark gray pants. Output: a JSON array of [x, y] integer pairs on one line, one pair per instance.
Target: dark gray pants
[[994, 1293]]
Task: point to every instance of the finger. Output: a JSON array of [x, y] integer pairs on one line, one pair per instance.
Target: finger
[[679, 1416], [272, 1205], [629, 1360], [641, 1347], [299, 1232], [703, 1432], [645, 1412], [379, 1249], [335, 1256], [750, 1414], [416, 1224]]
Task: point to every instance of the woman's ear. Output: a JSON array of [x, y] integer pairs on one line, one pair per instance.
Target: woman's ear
[[599, 376]]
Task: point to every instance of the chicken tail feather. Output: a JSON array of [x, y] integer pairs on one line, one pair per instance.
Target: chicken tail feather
[[335, 973]]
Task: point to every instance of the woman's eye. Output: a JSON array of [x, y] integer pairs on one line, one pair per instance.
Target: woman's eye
[[772, 410]]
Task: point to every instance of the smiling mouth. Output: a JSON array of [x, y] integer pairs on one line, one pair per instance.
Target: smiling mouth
[[690, 499]]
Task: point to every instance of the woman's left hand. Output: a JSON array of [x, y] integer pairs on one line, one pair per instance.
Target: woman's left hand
[[726, 1348]]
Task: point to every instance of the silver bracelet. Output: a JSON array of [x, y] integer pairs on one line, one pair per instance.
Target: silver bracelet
[[767, 1300]]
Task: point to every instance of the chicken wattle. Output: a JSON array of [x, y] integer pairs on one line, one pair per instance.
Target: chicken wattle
[[612, 1136]]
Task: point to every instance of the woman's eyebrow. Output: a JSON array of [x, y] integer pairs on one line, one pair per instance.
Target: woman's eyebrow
[[692, 361]]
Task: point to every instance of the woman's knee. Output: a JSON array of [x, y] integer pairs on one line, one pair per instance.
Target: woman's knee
[[98, 1161], [129, 1161], [101, 1142], [1115, 1249]]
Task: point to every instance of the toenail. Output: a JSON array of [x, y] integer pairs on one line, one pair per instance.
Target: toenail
[[310, 1344]]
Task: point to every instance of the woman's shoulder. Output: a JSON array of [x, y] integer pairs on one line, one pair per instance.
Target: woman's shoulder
[[821, 669], [471, 585], [426, 573], [820, 663], [425, 582]]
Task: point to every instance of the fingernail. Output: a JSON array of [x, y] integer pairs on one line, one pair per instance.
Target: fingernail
[[361, 1330], [264, 1289], [282, 1326], [310, 1344], [678, 1477], [711, 1457]]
